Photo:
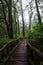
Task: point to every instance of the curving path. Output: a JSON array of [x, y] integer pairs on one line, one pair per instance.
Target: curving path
[[19, 57]]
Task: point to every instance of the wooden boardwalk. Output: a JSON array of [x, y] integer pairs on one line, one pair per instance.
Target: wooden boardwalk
[[19, 57]]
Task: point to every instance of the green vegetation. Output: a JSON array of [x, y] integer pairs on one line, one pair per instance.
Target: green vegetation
[[41, 63], [36, 36], [36, 32], [3, 41], [17, 36]]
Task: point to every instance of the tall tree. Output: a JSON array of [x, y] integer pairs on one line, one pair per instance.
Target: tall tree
[[10, 29], [22, 17], [9, 23], [38, 13], [15, 18], [18, 24], [31, 13]]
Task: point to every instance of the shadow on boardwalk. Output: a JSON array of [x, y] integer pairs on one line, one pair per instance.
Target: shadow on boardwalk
[[19, 57]]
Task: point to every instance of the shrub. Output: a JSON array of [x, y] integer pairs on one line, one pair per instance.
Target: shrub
[[36, 36], [17, 36], [3, 41], [36, 33]]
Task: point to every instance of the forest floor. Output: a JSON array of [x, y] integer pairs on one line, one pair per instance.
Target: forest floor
[[19, 57]]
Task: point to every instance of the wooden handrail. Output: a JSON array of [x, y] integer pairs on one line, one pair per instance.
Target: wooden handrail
[[36, 50], [31, 62], [7, 44]]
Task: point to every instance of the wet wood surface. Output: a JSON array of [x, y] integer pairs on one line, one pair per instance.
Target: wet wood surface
[[19, 57]]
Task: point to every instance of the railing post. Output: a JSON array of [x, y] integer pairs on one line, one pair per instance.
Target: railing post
[[0, 55], [7, 50]]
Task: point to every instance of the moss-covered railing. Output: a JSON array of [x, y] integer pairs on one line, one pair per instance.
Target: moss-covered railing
[[35, 56], [7, 50]]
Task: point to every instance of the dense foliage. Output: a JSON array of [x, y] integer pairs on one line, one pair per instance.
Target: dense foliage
[[36, 32], [3, 41], [36, 36]]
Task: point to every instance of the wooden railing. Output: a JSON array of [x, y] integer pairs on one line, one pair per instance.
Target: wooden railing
[[7, 49], [34, 54]]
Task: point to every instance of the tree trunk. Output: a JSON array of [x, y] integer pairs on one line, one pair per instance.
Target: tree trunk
[[31, 13], [18, 25], [10, 29], [4, 12], [30, 21], [39, 18], [22, 18], [15, 22], [9, 24]]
